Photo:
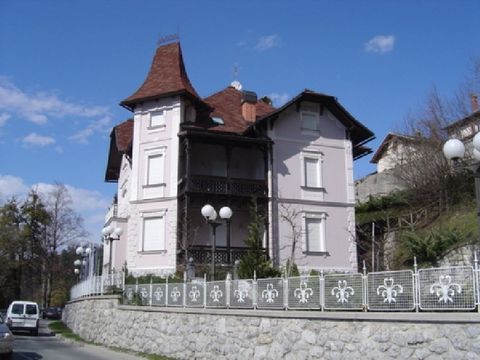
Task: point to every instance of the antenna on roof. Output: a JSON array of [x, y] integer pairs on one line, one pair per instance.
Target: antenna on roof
[[235, 83], [167, 39]]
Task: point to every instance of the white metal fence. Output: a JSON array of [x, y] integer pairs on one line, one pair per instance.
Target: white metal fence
[[434, 289], [98, 285]]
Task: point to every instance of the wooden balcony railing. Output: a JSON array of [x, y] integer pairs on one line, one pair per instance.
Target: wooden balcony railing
[[224, 186], [223, 256]]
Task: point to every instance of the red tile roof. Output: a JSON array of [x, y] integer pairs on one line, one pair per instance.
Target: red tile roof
[[227, 105], [124, 135], [121, 139], [167, 76]]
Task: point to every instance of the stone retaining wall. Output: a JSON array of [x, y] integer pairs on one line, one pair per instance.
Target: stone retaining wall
[[255, 334]]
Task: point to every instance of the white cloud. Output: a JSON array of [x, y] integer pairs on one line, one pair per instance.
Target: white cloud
[[279, 99], [39, 106], [380, 44], [12, 186], [268, 42], [33, 139], [4, 117], [101, 126]]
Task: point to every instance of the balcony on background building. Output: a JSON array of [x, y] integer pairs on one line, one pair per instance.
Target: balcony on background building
[[111, 213], [224, 186], [202, 254]]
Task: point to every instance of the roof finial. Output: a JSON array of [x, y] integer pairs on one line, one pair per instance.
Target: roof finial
[[167, 39]]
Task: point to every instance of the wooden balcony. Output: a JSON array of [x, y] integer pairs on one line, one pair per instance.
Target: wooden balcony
[[223, 256], [224, 186]]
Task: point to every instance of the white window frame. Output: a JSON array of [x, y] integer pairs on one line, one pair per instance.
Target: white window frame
[[322, 219], [150, 216], [309, 113], [158, 152], [161, 124], [318, 158]]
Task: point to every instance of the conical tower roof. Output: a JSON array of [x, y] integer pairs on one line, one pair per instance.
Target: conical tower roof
[[167, 76]]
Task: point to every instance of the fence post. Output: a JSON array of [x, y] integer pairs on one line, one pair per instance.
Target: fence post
[[228, 285], [204, 290], [322, 291], [136, 291], [254, 291], [475, 277], [166, 290], [123, 281], [416, 285], [151, 289], [285, 291], [101, 284], [184, 288], [364, 287]]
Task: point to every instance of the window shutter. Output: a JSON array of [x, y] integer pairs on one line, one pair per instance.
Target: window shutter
[[153, 234], [157, 119], [311, 172], [155, 170], [313, 234]]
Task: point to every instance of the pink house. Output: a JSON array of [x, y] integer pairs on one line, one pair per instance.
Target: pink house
[[181, 151]]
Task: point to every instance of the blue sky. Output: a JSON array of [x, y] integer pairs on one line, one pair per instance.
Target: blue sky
[[65, 66]]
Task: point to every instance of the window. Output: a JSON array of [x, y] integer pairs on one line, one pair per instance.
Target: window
[[315, 233], [157, 119], [155, 169], [312, 172], [17, 309], [310, 121], [153, 234], [31, 310]]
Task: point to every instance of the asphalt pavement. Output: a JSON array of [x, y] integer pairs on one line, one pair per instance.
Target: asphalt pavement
[[47, 346]]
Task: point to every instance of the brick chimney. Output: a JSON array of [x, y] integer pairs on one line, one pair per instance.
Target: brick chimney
[[249, 101], [474, 102]]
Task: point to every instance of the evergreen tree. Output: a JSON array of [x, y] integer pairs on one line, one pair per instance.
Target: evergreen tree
[[255, 259]]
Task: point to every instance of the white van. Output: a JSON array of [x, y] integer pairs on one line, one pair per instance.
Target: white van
[[23, 315]]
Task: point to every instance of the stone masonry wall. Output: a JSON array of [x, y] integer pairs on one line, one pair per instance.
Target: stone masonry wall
[[236, 334]]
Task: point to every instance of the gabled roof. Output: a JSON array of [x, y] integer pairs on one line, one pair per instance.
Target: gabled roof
[[359, 133], [473, 116], [167, 76], [227, 105], [386, 141], [121, 139]]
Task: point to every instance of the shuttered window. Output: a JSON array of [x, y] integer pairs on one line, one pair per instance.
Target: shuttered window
[[312, 172], [157, 118], [153, 234], [310, 121], [155, 170], [315, 234]]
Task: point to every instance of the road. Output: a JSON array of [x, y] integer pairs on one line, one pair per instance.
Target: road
[[49, 347]]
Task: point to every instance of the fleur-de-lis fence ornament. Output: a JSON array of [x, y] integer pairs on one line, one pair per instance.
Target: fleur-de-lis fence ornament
[[194, 294], [175, 294], [342, 292], [389, 290], [269, 293], [303, 293], [445, 289], [216, 293], [130, 294], [158, 294], [143, 293], [240, 295]]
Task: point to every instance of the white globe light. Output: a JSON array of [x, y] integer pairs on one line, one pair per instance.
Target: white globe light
[[208, 212], [76, 271], [107, 230], [79, 250], [453, 149], [77, 262], [476, 154], [84, 262], [118, 232], [225, 213], [88, 251], [476, 141]]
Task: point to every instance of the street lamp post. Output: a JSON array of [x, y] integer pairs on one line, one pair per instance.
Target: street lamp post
[[81, 264], [454, 150], [107, 233], [210, 216]]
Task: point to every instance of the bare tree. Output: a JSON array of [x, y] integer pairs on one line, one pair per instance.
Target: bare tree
[[291, 216]]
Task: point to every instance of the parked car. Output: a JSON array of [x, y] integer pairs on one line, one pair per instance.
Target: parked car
[[53, 313], [6, 340], [23, 315]]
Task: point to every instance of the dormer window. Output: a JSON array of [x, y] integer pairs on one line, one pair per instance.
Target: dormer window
[[218, 120], [310, 121], [157, 119]]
